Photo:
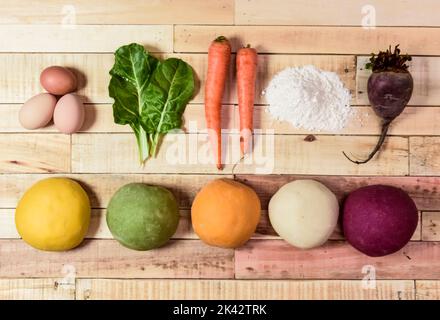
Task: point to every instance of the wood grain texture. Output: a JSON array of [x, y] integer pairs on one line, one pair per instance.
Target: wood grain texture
[[108, 259], [101, 187], [99, 119], [36, 289], [102, 289], [190, 153], [304, 39], [92, 73], [98, 227], [427, 290], [23, 153], [324, 33], [275, 259], [414, 121], [431, 226], [425, 72], [424, 156], [423, 190], [83, 38], [7, 224], [118, 12], [337, 12]]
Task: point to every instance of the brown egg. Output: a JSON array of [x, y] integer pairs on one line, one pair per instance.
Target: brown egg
[[37, 111], [69, 114], [58, 80]]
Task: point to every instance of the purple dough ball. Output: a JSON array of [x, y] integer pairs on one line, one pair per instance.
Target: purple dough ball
[[379, 220]]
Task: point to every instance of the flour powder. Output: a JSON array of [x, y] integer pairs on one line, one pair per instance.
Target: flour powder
[[309, 98]]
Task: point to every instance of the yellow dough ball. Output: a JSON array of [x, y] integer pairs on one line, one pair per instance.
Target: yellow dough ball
[[53, 215]]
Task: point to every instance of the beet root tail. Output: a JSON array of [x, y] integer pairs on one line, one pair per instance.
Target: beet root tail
[[385, 127]]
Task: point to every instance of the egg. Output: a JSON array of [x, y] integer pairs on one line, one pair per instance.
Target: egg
[[69, 114], [58, 80], [37, 111]]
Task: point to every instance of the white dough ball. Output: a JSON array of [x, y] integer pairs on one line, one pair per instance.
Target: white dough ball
[[304, 213]]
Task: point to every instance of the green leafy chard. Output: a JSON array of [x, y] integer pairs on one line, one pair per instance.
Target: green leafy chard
[[149, 95]]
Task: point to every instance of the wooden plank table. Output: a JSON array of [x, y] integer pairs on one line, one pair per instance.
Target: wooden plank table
[[103, 156]]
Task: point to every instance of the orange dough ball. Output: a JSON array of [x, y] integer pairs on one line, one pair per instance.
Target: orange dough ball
[[225, 213]]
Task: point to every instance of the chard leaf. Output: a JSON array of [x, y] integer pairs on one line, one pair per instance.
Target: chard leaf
[[169, 91], [149, 95]]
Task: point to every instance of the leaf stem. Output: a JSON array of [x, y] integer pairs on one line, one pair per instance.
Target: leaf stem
[[154, 144], [144, 147]]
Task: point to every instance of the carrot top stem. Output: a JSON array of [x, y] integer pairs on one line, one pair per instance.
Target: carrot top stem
[[220, 39]]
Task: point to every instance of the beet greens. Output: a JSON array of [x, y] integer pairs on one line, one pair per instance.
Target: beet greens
[[389, 90]]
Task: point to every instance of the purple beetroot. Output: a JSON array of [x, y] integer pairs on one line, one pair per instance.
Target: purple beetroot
[[379, 220], [389, 90]]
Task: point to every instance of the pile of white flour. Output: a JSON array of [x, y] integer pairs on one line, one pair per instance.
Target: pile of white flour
[[309, 98]]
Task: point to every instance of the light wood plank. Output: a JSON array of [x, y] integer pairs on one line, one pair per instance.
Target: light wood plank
[[423, 190], [431, 226], [83, 38], [304, 39], [101, 187], [98, 227], [7, 224], [33, 153], [99, 119], [190, 153], [417, 236], [424, 156], [425, 71], [108, 259], [337, 12], [276, 259], [36, 289], [92, 73], [414, 121], [427, 290], [14, 186], [118, 12], [101, 289]]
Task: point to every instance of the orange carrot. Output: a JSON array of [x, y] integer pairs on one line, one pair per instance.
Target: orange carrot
[[219, 55], [246, 76]]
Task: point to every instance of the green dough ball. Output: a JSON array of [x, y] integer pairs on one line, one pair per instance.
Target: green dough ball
[[142, 217]]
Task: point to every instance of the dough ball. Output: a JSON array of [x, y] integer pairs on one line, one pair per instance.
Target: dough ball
[[304, 213], [225, 213]]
